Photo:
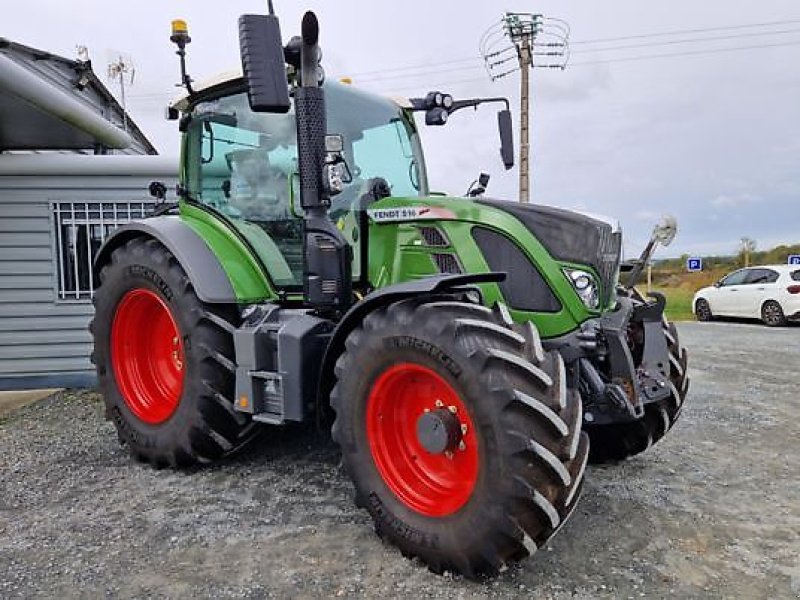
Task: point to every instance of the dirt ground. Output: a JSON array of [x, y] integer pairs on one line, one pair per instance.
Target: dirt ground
[[713, 511]]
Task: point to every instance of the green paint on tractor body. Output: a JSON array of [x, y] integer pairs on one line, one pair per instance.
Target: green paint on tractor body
[[243, 269], [398, 252]]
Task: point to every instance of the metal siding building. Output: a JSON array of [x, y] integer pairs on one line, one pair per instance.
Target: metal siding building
[[73, 166], [54, 212], [52, 103]]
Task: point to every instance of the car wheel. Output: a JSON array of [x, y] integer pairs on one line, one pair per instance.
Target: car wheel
[[772, 314], [702, 311]]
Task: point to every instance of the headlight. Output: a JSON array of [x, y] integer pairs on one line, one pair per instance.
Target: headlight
[[585, 286]]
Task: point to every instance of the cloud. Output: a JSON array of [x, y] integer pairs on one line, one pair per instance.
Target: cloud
[[647, 215], [734, 200]]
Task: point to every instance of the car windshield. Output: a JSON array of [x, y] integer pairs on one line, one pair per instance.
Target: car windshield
[[244, 164]]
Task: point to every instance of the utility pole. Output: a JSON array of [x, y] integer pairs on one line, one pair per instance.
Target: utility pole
[[524, 122], [522, 38]]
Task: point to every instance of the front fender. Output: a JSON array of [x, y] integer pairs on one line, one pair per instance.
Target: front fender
[[427, 286]]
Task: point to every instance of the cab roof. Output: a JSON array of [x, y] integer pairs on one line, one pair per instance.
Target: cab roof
[[234, 76]]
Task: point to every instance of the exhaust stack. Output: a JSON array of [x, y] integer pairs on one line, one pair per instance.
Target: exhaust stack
[[327, 276]]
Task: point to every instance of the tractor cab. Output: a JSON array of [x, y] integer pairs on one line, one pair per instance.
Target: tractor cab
[[244, 164]]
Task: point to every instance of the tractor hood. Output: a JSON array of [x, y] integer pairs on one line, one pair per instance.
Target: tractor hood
[[571, 237]]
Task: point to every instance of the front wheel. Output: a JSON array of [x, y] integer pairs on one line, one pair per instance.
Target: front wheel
[[460, 434]]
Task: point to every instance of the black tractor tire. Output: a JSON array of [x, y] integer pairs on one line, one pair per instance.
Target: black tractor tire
[[530, 452], [619, 441], [200, 424], [702, 311], [772, 314]]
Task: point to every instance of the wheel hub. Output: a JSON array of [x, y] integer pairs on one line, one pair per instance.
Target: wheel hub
[[438, 431], [422, 439], [147, 356]]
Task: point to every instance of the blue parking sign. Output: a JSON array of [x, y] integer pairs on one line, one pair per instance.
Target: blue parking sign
[[695, 264], [794, 259]]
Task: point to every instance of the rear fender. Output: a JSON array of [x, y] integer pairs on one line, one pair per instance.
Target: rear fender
[[209, 279]]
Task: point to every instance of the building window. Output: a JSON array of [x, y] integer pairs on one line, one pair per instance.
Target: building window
[[80, 230]]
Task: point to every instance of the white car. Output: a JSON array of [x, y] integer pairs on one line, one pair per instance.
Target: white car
[[770, 293]]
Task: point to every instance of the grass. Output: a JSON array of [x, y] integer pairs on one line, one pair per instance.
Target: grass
[[679, 288], [679, 303]]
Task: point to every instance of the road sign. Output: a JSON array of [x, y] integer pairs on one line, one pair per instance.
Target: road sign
[[695, 264], [794, 259]]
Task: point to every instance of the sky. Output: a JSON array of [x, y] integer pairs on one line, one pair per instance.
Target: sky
[[710, 134]]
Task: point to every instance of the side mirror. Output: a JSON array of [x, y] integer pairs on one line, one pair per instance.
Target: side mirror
[[718, 284], [157, 190], [506, 138], [263, 63], [665, 231]]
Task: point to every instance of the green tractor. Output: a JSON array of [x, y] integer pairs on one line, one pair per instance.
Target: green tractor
[[461, 348]]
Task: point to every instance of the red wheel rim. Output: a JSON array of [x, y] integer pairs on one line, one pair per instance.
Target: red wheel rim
[[147, 356], [435, 485]]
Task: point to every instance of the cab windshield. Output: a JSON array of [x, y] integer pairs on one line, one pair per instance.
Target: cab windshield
[[244, 165]]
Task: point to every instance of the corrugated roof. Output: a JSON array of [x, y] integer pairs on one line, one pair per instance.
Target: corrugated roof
[[48, 102]]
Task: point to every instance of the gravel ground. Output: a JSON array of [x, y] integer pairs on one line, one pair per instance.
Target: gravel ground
[[712, 511]]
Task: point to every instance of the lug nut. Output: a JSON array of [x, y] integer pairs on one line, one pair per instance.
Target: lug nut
[[452, 409], [463, 429], [462, 446], [439, 404]]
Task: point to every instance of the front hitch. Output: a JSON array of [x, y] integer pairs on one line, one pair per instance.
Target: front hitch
[[633, 370]]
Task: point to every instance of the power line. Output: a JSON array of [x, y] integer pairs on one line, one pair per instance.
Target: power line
[[687, 53], [436, 70], [427, 70], [606, 40], [412, 67], [628, 59], [689, 41], [682, 31]]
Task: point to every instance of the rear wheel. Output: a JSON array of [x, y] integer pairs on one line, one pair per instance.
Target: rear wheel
[[772, 314], [702, 311], [459, 433], [619, 441], [164, 360]]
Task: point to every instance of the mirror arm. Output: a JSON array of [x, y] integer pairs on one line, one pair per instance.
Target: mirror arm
[[475, 102], [641, 263], [419, 104]]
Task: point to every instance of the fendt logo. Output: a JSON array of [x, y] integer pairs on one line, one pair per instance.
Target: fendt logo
[[409, 213]]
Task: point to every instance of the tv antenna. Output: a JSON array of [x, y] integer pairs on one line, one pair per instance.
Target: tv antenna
[[121, 69]]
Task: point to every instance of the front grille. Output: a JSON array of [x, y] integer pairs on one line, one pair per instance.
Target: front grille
[[447, 263], [433, 237], [608, 256]]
